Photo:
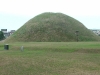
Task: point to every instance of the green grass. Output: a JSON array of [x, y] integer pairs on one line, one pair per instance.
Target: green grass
[[50, 58]]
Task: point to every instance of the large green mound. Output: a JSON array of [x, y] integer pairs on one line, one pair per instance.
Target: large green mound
[[52, 27]]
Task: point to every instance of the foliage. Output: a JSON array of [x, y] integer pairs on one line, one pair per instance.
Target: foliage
[[53, 27], [1, 35]]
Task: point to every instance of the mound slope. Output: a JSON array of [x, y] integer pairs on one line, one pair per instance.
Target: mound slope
[[52, 27]]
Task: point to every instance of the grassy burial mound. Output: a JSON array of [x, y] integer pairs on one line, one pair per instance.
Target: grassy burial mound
[[52, 27]]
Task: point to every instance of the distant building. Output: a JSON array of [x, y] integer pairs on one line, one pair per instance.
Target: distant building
[[4, 30], [11, 32], [7, 34], [96, 31]]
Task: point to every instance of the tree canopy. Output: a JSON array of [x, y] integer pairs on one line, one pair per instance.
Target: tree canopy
[[1, 35]]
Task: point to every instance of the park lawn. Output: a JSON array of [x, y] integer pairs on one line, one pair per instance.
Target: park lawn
[[50, 58]]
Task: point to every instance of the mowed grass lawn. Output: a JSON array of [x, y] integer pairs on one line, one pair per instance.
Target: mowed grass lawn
[[50, 58]]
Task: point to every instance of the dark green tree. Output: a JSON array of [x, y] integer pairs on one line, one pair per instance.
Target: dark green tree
[[1, 35]]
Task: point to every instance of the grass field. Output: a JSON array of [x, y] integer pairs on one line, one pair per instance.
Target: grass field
[[50, 58]]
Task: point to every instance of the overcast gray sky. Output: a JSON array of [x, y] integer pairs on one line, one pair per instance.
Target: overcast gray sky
[[14, 13]]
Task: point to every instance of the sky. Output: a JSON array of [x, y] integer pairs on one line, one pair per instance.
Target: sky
[[15, 13]]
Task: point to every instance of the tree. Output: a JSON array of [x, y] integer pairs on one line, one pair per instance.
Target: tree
[[1, 35]]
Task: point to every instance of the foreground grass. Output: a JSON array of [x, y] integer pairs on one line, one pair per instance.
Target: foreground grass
[[50, 58]]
